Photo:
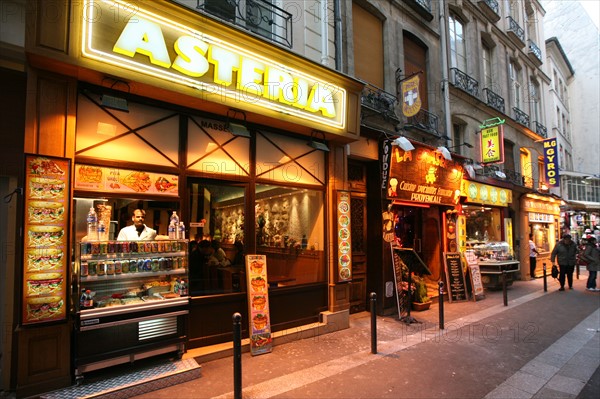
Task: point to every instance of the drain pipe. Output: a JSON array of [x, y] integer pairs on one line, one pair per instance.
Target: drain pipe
[[445, 88], [324, 33], [337, 24]]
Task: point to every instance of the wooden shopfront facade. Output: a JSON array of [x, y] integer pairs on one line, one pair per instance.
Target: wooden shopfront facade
[[165, 92]]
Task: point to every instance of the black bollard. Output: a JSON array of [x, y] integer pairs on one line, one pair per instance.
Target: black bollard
[[441, 299], [545, 281], [504, 292], [237, 356], [373, 323]]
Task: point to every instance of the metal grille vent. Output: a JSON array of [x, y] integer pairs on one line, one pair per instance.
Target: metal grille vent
[[154, 328]]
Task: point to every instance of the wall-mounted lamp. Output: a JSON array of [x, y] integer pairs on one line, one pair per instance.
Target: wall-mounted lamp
[[237, 129], [445, 152], [500, 174], [315, 143], [403, 143]]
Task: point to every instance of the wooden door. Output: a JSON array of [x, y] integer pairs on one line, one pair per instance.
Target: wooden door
[[357, 179]]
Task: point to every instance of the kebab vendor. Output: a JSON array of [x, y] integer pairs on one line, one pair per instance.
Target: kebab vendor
[[138, 230]]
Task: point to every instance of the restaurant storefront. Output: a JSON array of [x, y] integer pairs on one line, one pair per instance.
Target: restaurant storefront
[[166, 112]]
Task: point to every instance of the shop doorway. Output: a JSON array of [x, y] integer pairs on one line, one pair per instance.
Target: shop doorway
[[358, 228]]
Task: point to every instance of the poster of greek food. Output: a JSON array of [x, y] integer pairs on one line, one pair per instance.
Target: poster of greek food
[[45, 264], [258, 305], [344, 246], [114, 180]]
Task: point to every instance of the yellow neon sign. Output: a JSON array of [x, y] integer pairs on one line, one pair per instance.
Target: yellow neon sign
[[163, 48]]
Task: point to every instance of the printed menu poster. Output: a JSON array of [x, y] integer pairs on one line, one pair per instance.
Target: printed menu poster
[[475, 275], [45, 260], [113, 180], [344, 247], [258, 305]]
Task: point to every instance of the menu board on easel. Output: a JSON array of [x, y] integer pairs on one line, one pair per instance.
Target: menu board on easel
[[399, 282], [258, 305], [455, 278], [474, 275], [45, 258]]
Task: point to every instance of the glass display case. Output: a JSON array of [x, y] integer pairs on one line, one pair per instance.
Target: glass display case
[[492, 250], [130, 300]]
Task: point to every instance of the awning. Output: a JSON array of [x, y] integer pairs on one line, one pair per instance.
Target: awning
[[582, 205]]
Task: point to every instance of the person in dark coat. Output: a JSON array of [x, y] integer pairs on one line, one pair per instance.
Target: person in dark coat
[[565, 253], [592, 255]]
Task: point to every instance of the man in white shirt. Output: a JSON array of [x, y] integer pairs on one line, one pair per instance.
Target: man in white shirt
[[138, 230], [533, 253]]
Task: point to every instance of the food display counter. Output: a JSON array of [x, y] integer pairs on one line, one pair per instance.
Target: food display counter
[[132, 301], [494, 258]]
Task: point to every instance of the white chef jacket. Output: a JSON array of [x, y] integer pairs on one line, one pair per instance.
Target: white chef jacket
[[130, 233]]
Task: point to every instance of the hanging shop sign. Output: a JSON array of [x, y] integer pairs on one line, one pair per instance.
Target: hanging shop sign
[[46, 257], [143, 41], [485, 194], [258, 304], [551, 162], [124, 181], [344, 246], [423, 175], [492, 144], [411, 100]]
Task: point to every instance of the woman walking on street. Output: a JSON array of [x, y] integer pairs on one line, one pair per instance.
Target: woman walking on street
[[592, 255], [565, 252]]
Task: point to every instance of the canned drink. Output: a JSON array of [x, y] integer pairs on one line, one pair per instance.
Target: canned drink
[[155, 265], [133, 266], [83, 248], [133, 247], [95, 248], [162, 264], [124, 266], [167, 246], [123, 247], [155, 247], [103, 248], [148, 247], [147, 265], [101, 268], [92, 266], [83, 270], [110, 267], [112, 247], [161, 246]]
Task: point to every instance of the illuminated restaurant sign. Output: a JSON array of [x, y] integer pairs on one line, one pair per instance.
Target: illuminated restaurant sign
[[485, 194], [423, 175], [492, 144], [155, 45], [551, 162]]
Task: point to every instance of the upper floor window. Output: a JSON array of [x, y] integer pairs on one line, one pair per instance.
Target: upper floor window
[[515, 79], [515, 10], [458, 49], [487, 67], [367, 36], [535, 101]]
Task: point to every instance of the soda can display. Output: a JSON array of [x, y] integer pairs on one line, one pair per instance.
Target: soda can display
[[83, 270], [155, 265], [101, 268], [162, 264], [148, 247], [133, 266], [103, 248], [133, 247], [112, 247], [92, 266], [95, 248], [110, 267], [147, 266], [161, 246], [155, 247], [124, 266], [123, 247]]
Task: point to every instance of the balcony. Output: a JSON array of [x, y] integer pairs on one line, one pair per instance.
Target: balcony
[[422, 7], [534, 53], [424, 121], [515, 33], [379, 102], [461, 80], [258, 16], [521, 117], [493, 100], [540, 129], [496, 172], [491, 9]]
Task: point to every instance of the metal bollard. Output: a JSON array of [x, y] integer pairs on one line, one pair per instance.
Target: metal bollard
[[441, 299], [237, 356], [504, 292], [545, 279], [373, 323]]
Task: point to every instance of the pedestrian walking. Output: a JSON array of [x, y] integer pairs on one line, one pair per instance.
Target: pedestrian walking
[[533, 253], [565, 253], [592, 255]]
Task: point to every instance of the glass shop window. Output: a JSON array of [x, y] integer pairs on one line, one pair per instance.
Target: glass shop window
[[541, 236], [289, 228], [483, 224]]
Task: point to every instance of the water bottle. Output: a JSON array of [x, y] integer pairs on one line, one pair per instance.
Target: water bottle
[[89, 299], [82, 299], [175, 221], [102, 231], [92, 225], [171, 230], [181, 231]]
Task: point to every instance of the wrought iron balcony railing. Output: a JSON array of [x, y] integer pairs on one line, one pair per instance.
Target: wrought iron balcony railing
[[424, 120], [489, 7], [464, 82], [494, 100], [535, 50], [521, 117], [540, 129], [258, 16], [422, 7], [380, 101], [515, 30], [496, 172]]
